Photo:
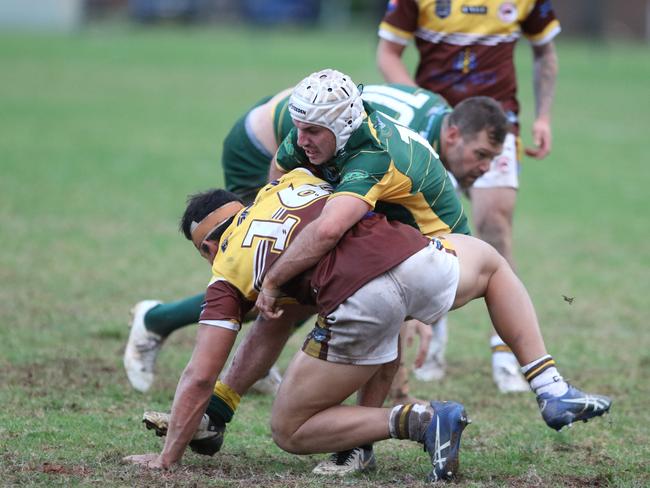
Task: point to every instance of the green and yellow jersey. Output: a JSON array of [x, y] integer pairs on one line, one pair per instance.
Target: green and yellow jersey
[[246, 162], [394, 170]]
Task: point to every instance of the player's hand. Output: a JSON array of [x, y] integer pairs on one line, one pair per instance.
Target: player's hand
[[541, 139], [150, 461], [267, 302]]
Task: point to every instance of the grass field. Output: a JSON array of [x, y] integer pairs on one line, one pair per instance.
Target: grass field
[[104, 133]]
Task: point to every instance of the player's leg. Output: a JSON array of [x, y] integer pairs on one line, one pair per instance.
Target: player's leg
[[262, 346], [493, 198], [362, 331], [400, 391], [485, 273], [435, 365], [151, 324], [307, 416], [361, 458]]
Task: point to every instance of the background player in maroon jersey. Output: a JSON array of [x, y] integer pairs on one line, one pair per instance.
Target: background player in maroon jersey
[[467, 49]]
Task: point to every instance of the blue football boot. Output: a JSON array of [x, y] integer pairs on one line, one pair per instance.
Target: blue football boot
[[442, 438], [574, 405]]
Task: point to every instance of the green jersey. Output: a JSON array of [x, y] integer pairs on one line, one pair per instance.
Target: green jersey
[[246, 162], [394, 170], [244, 159], [416, 108]]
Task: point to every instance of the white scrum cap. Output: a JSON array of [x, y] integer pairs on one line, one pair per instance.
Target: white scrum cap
[[330, 99]]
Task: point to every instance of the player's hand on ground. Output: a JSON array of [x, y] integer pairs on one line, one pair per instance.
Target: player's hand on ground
[[150, 460], [267, 303], [541, 139]]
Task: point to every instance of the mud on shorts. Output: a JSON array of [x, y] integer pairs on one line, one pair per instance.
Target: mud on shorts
[[364, 329]]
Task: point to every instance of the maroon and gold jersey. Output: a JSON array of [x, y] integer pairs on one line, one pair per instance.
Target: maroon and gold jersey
[[261, 232], [466, 48]]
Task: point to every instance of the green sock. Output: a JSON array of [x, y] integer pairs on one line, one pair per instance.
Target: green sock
[[165, 318]]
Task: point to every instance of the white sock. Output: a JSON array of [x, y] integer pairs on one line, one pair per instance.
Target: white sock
[[502, 355], [544, 377]]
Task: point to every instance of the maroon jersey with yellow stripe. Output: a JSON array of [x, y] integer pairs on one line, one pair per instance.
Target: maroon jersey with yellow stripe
[[260, 233], [466, 47]]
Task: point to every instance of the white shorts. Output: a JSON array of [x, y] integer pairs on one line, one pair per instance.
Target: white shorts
[[365, 328], [504, 169]]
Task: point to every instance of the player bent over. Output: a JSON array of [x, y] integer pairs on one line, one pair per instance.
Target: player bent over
[[378, 274]]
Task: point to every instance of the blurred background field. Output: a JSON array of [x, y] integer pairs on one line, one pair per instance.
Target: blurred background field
[[105, 129]]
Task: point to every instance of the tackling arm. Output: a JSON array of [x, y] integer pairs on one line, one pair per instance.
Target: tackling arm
[[316, 239], [274, 170], [545, 73], [390, 63]]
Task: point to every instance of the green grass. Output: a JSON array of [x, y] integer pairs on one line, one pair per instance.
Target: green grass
[[104, 133]]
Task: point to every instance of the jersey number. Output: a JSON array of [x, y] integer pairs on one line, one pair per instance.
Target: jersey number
[[409, 136], [404, 104], [271, 230]]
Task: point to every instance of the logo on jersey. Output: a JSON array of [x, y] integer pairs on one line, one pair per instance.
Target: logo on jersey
[[392, 5], [355, 175], [443, 8], [288, 146], [465, 61], [545, 9], [508, 12], [474, 9]]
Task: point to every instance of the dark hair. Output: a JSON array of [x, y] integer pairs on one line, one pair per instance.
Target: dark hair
[[201, 204], [474, 114]]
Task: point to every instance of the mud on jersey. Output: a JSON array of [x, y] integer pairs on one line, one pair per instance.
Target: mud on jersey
[[261, 232], [466, 48], [394, 170]]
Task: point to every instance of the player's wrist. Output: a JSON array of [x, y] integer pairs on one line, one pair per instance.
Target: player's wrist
[[270, 291]]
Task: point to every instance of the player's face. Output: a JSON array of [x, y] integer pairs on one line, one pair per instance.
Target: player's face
[[469, 158], [318, 142]]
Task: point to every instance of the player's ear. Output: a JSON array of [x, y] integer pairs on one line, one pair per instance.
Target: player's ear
[[209, 250], [452, 135]]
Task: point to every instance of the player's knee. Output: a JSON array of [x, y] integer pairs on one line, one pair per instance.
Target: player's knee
[[284, 435], [198, 379]]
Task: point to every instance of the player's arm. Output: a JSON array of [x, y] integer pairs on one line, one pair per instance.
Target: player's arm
[[213, 344], [275, 171], [391, 64], [317, 238], [545, 64]]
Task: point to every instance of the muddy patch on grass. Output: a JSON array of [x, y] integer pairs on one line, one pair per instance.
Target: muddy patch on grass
[[64, 373]]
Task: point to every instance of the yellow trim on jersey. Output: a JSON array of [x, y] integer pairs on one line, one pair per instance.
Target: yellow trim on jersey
[[551, 30], [373, 130], [491, 28], [395, 188], [391, 29]]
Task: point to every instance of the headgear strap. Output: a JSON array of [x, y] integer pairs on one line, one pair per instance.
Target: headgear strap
[[200, 230]]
